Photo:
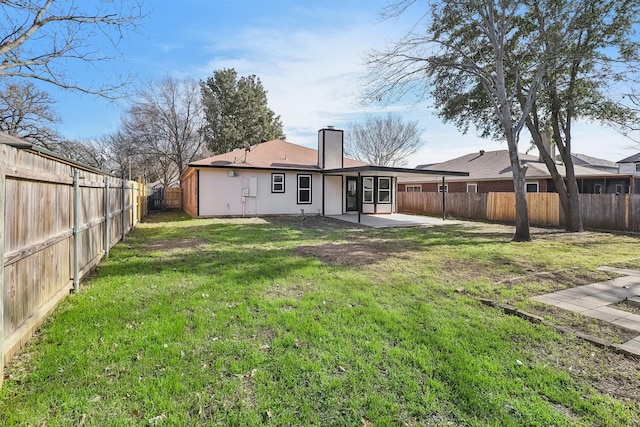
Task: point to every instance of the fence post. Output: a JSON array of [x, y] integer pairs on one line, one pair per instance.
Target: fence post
[[107, 223], [76, 230], [122, 199], [139, 199], [3, 182], [444, 201]]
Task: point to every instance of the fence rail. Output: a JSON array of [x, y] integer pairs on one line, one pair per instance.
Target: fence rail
[[599, 211], [57, 221]]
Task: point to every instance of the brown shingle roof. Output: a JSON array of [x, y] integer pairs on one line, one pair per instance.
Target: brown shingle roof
[[495, 165], [275, 154], [631, 159]]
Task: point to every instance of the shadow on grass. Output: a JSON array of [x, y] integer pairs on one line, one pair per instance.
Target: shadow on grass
[[166, 216]]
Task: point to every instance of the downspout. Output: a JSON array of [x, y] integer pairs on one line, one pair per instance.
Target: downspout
[[197, 193], [76, 230], [323, 194]]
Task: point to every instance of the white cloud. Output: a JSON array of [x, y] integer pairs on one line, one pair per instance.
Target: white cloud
[[312, 76]]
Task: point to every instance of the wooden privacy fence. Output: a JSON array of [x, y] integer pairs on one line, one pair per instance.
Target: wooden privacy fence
[[173, 198], [57, 221], [599, 211]]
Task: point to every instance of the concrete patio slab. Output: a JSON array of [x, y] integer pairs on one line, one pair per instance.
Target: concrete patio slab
[[394, 220], [627, 323], [632, 346], [594, 300], [623, 271], [597, 314]]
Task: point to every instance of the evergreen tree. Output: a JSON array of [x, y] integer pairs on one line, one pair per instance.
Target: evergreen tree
[[236, 111]]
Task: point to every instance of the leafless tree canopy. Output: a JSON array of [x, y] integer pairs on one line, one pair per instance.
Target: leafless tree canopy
[[160, 132], [27, 112], [385, 140], [38, 38], [454, 49]]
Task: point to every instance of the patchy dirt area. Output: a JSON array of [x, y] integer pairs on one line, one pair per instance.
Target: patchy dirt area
[[356, 251]]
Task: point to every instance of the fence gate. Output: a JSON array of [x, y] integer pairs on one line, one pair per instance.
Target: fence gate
[[156, 199]]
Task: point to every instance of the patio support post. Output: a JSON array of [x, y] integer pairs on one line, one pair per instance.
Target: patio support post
[[359, 196], [444, 212]]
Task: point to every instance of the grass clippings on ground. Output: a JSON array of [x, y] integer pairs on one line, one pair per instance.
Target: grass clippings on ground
[[279, 321]]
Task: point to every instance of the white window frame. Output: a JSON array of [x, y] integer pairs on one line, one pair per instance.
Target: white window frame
[[637, 167], [474, 186], [383, 191], [413, 188], [275, 184], [367, 189], [446, 188], [620, 188], [302, 189], [527, 184]]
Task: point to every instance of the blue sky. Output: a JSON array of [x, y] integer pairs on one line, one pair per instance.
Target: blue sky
[[309, 56]]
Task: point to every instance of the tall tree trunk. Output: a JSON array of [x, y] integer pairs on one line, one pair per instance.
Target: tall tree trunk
[[522, 211], [567, 189], [572, 214], [519, 187]]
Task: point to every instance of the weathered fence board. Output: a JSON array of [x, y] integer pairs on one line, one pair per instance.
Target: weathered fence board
[[37, 234], [173, 198], [604, 211], [599, 211], [3, 201], [634, 213]]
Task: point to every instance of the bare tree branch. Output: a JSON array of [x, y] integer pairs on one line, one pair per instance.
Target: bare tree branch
[[385, 141], [38, 39]]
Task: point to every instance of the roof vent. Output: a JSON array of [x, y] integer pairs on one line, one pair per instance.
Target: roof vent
[[482, 152], [330, 127]]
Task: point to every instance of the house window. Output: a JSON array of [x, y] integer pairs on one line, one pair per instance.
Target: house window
[[619, 189], [597, 188], [472, 188], [277, 183], [413, 188], [367, 189], [304, 189], [637, 167], [384, 190], [531, 187], [443, 188]]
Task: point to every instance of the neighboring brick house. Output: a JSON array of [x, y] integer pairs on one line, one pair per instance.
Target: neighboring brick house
[[491, 171]]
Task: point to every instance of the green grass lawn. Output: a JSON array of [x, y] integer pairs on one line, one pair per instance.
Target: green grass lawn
[[296, 323]]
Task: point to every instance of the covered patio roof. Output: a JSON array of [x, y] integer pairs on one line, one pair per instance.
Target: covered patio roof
[[374, 170]]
